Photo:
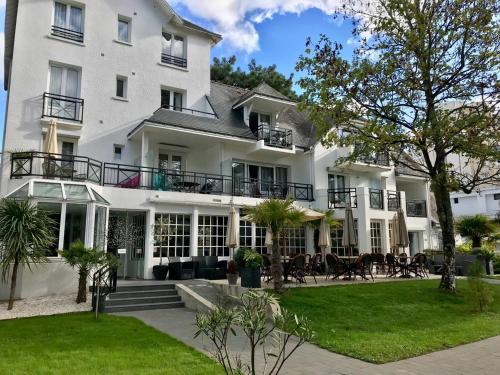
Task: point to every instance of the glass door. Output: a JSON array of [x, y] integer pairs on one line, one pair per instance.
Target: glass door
[[267, 180], [238, 178]]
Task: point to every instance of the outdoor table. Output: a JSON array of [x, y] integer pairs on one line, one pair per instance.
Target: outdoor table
[[404, 267], [349, 269]]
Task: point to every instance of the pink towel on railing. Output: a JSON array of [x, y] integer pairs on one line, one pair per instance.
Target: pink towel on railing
[[132, 182]]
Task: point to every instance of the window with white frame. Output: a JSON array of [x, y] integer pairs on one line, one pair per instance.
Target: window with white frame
[[337, 247], [53, 211], [376, 237], [121, 87], [172, 235], [245, 233], [63, 97], [212, 235], [117, 151], [295, 240], [260, 239], [173, 50], [124, 29], [256, 119], [171, 99], [68, 21]]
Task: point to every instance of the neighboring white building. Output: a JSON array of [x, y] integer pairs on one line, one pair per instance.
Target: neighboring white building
[[145, 135]]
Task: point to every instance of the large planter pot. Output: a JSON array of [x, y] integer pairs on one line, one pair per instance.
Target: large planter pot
[[232, 278], [160, 272], [250, 277]]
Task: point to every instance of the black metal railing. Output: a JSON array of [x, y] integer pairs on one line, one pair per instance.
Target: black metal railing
[[65, 33], [51, 166], [191, 111], [341, 198], [269, 189], [275, 136], [62, 107], [376, 199], [173, 60], [393, 200], [104, 282], [377, 159], [416, 208]]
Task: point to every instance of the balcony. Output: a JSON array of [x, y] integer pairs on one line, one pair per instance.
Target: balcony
[[137, 177], [416, 208], [274, 136], [62, 107], [55, 166], [69, 34], [393, 200], [190, 111], [376, 199], [173, 60], [341, 198]]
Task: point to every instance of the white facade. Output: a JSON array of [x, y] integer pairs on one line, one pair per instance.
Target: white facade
[[118, 58]]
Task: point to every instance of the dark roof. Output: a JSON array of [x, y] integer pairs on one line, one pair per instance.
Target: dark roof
[[230, 122], [190, 25], [264, 90]]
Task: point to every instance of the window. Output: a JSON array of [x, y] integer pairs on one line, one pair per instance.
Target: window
[[100, 227], [245, 233], [170, 162], [455, 200], [171, 100], [173, 50], [260, 239], [121, 87], [64, 81], [74, 229], [123, 29], [68, 22], [117, 151], [376, 237], [212, 236], [257, 119], [172, 235], [336, 238], [295, 241], [496, 197], [53, 211], [62, 100]]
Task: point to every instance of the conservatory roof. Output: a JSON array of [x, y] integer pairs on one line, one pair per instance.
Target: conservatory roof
[[59, 191]]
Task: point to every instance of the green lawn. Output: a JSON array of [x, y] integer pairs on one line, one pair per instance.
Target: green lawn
[[386, 322], [78, 344]]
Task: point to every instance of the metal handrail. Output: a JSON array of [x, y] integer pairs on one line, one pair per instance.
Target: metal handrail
[[341, 198], [188, 110], [65, 33], [62, 107], [173, 60], [416, 208], [393, 200], [376, 198], [275, 136], [104, 282]]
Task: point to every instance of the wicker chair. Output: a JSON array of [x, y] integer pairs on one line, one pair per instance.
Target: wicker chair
[[391, 265], [418, 265], [363, 266], [336, 266], [379, 262], [266, 268], [297, 268], [311, 268]]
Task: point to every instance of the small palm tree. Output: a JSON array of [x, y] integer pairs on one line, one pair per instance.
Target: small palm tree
[[476, 228], [25, 233], [278, 215]]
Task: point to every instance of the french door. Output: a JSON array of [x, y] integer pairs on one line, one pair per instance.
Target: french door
[[64, 88]]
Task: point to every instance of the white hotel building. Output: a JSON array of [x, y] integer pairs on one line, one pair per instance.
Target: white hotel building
[[144, 134]]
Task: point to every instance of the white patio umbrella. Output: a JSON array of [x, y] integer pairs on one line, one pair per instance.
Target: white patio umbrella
[[269, 238], [50, 144], [403, 238], [394, 233], [233, 230], [349, 238], [324, 239]]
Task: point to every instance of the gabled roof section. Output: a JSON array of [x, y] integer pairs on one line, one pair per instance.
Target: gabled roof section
[[10, 31], [229, 121], [263, 90]]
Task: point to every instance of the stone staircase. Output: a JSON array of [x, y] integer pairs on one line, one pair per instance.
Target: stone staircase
[[143, 297]]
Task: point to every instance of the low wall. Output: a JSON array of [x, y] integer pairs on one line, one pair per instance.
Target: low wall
[[53, 278]]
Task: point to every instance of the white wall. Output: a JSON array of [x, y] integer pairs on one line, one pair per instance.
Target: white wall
[[482, 202]]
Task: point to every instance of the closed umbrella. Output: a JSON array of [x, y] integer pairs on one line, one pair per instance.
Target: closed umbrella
[[324, 239], [50, 144], [349, 238], [233, 230], [269, 237], [394, 234], [403, 238]]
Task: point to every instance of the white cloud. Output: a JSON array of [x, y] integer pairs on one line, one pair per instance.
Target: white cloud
[[236, 19]]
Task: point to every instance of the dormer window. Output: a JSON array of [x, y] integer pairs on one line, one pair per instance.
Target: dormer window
[[68, 22], [171, 100], [257, 119], [173, 50]]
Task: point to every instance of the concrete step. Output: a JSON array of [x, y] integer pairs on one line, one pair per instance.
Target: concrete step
[[145, 287], [147, 306], [143, 293], [141, 300]]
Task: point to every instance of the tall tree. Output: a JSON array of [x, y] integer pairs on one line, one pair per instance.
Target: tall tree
[[223, 70], [422, 82], [25, 234]]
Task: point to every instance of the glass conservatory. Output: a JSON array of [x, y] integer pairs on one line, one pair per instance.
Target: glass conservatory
[[81, 213]]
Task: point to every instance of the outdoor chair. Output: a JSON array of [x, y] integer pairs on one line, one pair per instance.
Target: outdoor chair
[[266, 268], [378, 261], [418, 265], [297, 268], [391, 265], [363, 266], [336, 266], [311, 268]]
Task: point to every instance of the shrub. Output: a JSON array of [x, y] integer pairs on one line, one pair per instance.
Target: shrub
[[464, 248], [252, 259], [479, 294], [239, 257]]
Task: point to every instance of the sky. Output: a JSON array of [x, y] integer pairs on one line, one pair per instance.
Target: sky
[[271, 31]]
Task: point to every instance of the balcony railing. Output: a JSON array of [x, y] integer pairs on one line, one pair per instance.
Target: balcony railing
[[173, 60], [341, 198], [376, 199], [275, 136], [55, 166], [190, 111], [393, 200], [62, 107], [62, 32], [136, 177], [416, 208]]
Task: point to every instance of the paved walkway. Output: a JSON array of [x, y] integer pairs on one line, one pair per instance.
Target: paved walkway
[[477, 358]]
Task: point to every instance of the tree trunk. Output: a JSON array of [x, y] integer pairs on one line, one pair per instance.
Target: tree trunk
[[82, 286], [440, 188], [276, 265], [13, 283], [476, 242]]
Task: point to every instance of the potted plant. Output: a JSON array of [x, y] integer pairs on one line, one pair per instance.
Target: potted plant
[[232, 274], [250, 272]]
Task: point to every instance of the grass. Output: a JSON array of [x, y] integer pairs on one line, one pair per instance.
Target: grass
[[386, 322], [494, 277], [78, 344]]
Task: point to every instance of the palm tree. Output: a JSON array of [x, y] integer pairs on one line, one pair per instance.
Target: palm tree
[[278, 215], [25, 233], [476, 228]]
